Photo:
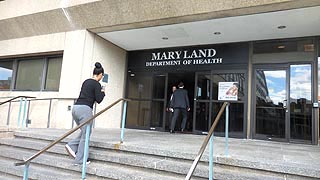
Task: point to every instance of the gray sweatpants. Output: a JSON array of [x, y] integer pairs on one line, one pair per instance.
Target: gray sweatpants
[[80, 113]]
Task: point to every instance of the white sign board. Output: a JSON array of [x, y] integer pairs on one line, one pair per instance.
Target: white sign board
[[228, 91]]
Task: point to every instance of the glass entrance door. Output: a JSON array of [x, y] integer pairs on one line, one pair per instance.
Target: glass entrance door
[[300, 102], [147, 106], [283, 106], [207, 105], [271, 102]]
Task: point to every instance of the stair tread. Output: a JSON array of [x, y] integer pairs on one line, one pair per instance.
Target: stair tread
[[98, 168], [108, 170], [35, 172]]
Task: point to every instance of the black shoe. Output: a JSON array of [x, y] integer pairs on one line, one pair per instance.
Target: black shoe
[[172, 131]]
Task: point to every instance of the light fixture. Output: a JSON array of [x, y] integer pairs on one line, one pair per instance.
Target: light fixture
[[165, 38], [282, 27], [217, 33], [281, 47]]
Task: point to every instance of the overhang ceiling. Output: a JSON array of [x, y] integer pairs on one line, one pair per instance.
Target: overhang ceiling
[[281, 24]]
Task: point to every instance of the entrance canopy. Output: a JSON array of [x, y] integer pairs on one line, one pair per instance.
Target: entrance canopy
[[274, 25]]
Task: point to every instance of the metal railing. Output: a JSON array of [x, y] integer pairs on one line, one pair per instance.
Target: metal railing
[[26, 162], [205, 143], [22, 109], [25, 106]]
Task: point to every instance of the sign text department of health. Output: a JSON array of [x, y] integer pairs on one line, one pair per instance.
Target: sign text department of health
[[186, 57]]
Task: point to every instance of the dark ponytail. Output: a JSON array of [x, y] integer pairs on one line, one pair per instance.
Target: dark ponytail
[[98, 69]]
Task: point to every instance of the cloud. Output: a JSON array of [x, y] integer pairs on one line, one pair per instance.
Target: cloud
[[275, 74]]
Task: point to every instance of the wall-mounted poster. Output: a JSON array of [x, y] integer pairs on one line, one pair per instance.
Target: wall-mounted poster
[[228, 91]]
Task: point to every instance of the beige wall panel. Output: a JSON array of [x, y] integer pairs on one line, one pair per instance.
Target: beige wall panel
[[13, 8], [72, 64], [113, 60], [32, 45]]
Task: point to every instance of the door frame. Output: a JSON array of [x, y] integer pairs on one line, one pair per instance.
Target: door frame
[[245, 101], [253, 100], [286, 67]]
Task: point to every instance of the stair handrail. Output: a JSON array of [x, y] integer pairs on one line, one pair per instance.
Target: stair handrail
[[10, 100], [26, 161], [205, 142]]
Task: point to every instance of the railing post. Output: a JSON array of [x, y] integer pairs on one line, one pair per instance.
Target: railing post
[[19, 114], [86, 151], [24, 118], [49, 114], [227, 130], [9, 112], [123, 122], [26, 171], [211, 158]]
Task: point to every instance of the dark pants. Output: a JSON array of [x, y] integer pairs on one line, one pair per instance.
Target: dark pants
[[176, 114]]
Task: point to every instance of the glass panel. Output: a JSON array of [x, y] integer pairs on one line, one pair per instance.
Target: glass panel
[[270, 102], [139, 85], [159, 83], [231, 77], [236, 112], [300, 102], [138, 114], [5, 75], [202, 116], [283, 46], [53, 74], [157, 114], [203, 86], [29, 75]]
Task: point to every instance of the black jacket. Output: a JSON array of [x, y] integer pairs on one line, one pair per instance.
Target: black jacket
[[180, 99], [90, 93]]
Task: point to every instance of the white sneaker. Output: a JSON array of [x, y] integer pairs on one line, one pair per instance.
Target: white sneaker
[[70, 151], [80, 164]]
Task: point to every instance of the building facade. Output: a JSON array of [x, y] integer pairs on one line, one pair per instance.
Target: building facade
[[270, 49]]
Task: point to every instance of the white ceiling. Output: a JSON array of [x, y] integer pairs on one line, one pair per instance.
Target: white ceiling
[[298, 22]]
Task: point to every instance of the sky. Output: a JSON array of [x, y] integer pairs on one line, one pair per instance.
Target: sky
[[300, 83], [5, 73]]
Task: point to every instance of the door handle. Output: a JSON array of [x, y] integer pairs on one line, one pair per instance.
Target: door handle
[[285, 103]]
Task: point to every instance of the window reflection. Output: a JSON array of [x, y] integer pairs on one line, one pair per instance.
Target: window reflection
[[5, 75], [300, 102], [270, 99]]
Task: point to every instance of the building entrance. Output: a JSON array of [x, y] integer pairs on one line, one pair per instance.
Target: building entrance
[[188, 79]]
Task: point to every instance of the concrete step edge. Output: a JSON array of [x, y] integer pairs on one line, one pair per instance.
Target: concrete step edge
[[263, 166]]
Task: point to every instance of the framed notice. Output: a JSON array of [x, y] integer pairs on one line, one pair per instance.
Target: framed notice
[[228, 91]]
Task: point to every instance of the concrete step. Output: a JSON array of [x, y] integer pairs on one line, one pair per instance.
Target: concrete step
[[6, 132], [5, 176], [35, 171], [173, 166], [274, 169], [96, 168]]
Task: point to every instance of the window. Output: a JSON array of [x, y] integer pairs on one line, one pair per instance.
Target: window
[[53, 74], [5, 74], [31, 74]]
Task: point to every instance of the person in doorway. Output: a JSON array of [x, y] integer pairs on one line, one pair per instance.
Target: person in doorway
[[170, 110], [91, 92], [174, 88], [180, 105]]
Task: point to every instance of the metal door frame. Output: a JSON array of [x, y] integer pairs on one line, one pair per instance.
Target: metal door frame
[[245, 102], [287, 68], [253, 90]]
